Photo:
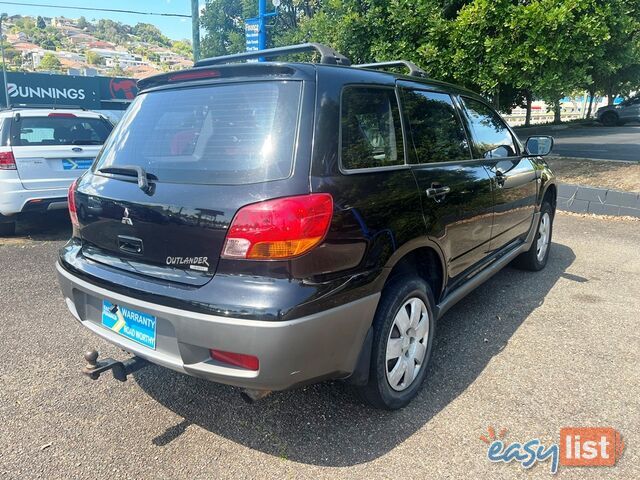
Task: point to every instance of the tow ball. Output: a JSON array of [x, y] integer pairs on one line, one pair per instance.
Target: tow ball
[[120, 370]]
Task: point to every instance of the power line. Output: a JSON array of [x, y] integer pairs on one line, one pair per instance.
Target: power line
[[22, 4]]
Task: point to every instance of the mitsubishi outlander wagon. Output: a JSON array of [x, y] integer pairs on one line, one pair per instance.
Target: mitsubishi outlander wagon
[[269, 225]]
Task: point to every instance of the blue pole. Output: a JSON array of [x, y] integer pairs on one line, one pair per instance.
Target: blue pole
[[262, 24]]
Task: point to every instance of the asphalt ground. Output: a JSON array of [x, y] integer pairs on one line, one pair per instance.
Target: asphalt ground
[[591, 141], [529, 352]]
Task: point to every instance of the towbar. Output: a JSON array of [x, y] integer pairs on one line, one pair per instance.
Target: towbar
[[120, 370]]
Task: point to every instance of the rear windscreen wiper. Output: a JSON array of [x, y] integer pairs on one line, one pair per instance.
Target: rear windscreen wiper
[[132, 170]]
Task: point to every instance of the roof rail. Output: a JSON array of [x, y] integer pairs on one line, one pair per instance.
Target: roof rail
[[414, 70], [327, 55]]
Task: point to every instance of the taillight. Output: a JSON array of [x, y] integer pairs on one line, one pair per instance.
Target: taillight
[[7, 161], [73, 212], [279, 229], [250, 362]]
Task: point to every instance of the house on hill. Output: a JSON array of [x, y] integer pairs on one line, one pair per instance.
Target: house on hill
[[82, 39], [142, 71], [102, 44], [60, 22]]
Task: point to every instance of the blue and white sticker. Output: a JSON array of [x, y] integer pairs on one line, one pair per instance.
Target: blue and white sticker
[[136, 326], [76, 163]]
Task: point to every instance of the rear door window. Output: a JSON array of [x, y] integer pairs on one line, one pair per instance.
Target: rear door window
[[491, 137], [222, 134], [371, 133], [59, 130], [436, 131]]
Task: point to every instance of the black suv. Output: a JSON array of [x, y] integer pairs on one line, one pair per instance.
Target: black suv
[[269, 225]]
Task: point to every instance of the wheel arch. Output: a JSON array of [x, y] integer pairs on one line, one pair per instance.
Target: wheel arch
[[550, 193], [424, 259]]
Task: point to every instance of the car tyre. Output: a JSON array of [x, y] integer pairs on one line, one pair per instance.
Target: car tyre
[[536, 257], [403, 332], [609, 119], [7, 229]]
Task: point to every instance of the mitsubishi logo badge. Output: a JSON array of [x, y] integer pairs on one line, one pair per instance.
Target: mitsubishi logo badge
[[125, 219]]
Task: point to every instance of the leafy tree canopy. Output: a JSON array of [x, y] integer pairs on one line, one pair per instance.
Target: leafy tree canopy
[[50, 62], [510, 50], [150, 34]]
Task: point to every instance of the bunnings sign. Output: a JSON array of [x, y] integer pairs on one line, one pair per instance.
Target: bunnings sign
[[68, 90]]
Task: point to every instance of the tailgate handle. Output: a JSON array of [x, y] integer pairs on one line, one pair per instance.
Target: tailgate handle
[[130, 244]]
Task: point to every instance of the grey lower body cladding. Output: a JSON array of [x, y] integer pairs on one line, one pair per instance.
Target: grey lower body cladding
[[293, 352]]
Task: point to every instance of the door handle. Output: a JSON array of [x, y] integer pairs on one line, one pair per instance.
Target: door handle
[[437, 192]]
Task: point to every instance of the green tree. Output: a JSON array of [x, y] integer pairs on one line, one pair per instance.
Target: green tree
[[116, 71], [12, 56], [615, 66], [40, 23], [150, 34], [82, 23], [182, 47], [111, 31], [553, 45], [50, 62], [512, 51], [93, 58], [223, 22]]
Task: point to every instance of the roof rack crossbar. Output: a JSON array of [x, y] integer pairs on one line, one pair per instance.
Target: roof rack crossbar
[[327, 55], [414, 70]]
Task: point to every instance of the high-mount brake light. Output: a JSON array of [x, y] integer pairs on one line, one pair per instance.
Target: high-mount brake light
[[73, 211], [176, 77], [7, 161], [62, 115], [279, 229]]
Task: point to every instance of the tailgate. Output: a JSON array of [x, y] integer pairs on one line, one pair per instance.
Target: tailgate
[[42, 167], [51, 151], [176, 234]]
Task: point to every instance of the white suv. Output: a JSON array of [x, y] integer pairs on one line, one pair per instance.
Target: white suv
[[41, 152]]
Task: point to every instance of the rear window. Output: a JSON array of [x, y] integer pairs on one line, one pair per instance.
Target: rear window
[[222, 134], [35, 131]]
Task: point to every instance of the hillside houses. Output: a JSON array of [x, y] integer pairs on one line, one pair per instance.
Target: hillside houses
[[135, 58]]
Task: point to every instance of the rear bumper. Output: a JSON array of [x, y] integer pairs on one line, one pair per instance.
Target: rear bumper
[[14, 198], [293, 352]]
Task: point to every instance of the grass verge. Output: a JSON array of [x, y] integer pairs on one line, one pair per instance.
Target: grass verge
[[623, 176]]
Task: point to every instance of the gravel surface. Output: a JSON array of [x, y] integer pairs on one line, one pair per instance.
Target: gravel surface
[[530, 352]]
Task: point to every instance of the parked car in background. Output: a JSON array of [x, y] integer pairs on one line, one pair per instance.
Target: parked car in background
[[269, 225], [626, 111], [42, 151], [114, 116]]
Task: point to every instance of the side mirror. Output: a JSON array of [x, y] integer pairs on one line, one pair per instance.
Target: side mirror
[[539, 145]]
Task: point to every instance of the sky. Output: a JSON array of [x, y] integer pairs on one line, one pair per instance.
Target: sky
[[173, 27]]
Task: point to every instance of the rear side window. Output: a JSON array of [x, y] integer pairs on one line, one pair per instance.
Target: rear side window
[[436, 131], [491, 137], [217, 134], [59, 130], [371, 131]]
